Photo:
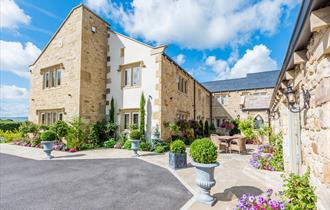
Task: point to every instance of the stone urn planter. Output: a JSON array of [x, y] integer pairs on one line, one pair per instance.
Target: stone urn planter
[[47, 140], [177, 156], [135, 137], [48, 148], [204, 155], [205, 180]]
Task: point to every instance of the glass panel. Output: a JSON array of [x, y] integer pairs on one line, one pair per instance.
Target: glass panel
[[42, 118], [60, 116], [46, 79], [126, 121], [128, 77], [58, 77], [54, 117], [48, 118], [136, 75], [135, 119], [53, 78]]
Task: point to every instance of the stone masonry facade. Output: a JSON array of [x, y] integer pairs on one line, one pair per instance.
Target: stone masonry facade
[[194, 104], [230, 105], [82, 89], [311, 69]]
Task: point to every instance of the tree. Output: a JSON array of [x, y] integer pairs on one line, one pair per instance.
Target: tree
[[201, 129], [112, 111], [142, 113], [206, 128], [212, 128]]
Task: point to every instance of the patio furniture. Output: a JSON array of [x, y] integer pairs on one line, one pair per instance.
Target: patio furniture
[[227, 140], [238, 144], [221, 145]]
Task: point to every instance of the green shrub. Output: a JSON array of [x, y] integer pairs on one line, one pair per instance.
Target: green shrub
[[61, 128], [160, 149], [110, 143], [9, 136], [203, 151], [300, 192], [247, 128], [127, 145], [178, 147], [48, 135], [276, 143], [206, 128], [36, 141], [9, 125], [135, 134], [236, 129], [145, 146], [28, 127], [77, 133]]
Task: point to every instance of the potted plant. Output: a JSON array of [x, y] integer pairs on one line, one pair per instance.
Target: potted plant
[[135, 136], [47, 140], [177, 156], [204, 155]]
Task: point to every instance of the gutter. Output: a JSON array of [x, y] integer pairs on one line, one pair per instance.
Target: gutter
[[304, 12]]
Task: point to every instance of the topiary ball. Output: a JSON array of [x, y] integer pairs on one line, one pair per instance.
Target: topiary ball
[[135, 134], [160, 149], [178, 147], [203, 151], [48, 135]]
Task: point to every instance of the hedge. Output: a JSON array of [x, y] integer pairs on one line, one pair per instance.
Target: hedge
[[9, 125]]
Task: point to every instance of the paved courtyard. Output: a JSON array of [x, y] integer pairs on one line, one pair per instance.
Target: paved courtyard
[[110, 179], [88, 184]]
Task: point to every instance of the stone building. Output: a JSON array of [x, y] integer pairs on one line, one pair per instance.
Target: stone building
[[300, 105], [242, 97], [86, 64]]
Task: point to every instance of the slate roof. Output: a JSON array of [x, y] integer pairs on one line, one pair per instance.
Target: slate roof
[[259, 80], [256, 102]]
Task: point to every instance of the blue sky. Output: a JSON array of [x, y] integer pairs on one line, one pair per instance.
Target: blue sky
[[214, 39]]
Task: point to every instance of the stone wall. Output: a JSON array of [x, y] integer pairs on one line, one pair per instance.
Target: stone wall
[[174, 102], [64, 48], [93, 67], [314, 123], [230, 106], [82, 55]]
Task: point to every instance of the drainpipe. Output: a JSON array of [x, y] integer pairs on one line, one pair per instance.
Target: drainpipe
[[211, 108], [194, 100]]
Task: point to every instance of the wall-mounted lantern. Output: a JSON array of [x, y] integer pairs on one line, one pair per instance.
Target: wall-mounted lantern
[[292, 100]]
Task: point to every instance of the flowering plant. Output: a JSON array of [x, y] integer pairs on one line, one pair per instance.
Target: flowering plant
[[262, 161], [227, 125], [250, 201]]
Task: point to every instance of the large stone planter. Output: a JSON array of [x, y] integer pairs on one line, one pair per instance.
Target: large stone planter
[[177, 160], [135, 146], [205, 180], [48, 148]]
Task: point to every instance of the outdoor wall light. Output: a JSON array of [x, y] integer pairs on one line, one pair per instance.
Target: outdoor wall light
[[292, 101]]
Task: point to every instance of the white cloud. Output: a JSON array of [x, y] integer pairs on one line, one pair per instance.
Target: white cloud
[[15, 58], [99, 6], [180, 59], [9, 109], [13, 101], [256, 60], [11, 15], [195, 23], [13, 92]]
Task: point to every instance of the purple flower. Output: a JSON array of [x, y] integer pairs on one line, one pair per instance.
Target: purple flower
[[269, 192], [244, 197], [251, 198], [260, 200], [260, 149]]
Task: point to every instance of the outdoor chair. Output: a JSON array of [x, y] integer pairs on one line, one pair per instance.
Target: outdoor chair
[[238, 144], [221, 145]]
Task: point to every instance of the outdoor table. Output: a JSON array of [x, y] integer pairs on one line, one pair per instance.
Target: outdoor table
[[228, 140]]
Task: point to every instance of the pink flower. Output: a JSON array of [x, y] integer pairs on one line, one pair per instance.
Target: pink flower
[[72, 150]]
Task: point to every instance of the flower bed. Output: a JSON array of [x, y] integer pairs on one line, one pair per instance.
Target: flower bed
[[59, 146], [269, 157], [250, 201]]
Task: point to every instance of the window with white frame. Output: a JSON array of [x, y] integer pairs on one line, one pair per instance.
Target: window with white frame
[[51, 77], [49, 117], [130, 117], [126, 121], [132, 76]]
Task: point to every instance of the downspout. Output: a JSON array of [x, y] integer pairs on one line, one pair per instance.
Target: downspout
[[194, 100], [211, 120]]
